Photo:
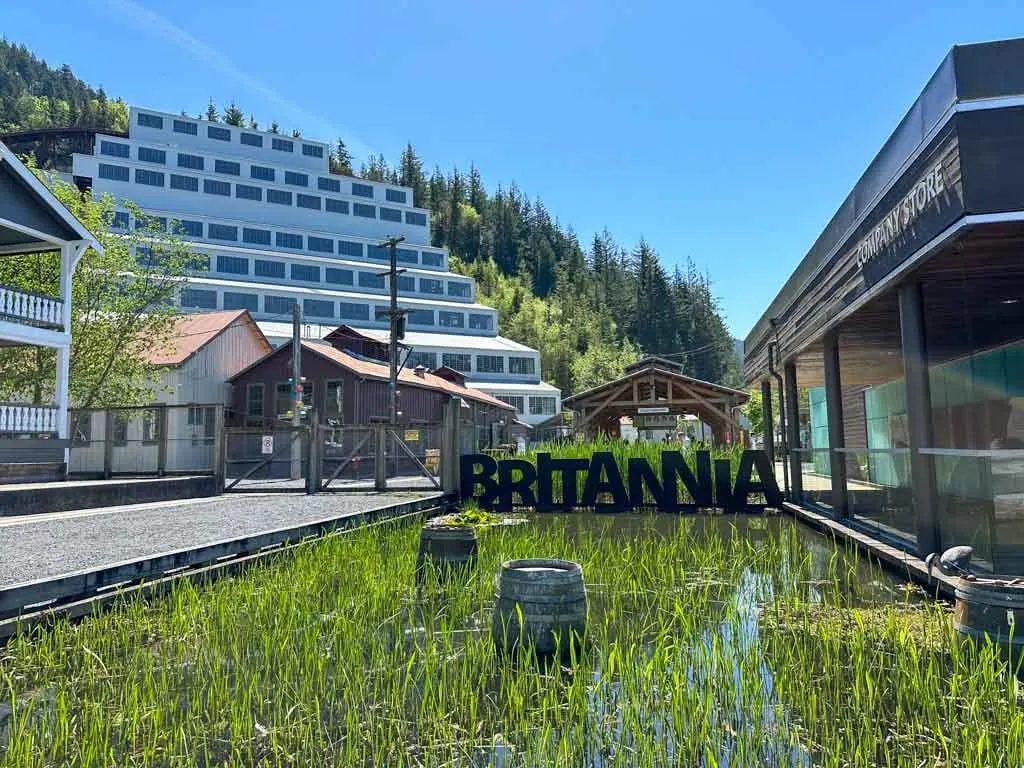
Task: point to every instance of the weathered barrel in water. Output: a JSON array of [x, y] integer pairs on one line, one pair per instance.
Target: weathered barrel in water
[[995, 611], [448, 547], [551, 600]]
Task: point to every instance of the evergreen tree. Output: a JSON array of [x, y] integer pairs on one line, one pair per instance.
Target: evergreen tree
[[477, 193], [211, 111], [438, 204], [253, 124], [233, 115], [275, 127], [410, 174], [341, 159]]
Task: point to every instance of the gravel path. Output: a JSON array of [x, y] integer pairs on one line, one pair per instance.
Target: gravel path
[[43, 546]]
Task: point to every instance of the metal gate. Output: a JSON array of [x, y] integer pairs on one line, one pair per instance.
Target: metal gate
[[266, 458], [380, 456], [329, 457]]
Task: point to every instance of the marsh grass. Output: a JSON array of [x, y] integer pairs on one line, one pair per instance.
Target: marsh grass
[[712, 642]]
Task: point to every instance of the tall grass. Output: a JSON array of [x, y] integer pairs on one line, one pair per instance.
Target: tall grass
[[707, 648]]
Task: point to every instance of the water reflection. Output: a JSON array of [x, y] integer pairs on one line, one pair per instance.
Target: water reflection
[[740, 719]]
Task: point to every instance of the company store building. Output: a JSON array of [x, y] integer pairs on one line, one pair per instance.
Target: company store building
[[897, 345]]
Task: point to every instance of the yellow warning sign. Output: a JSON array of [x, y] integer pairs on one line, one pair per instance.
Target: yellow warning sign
[[412, 435]]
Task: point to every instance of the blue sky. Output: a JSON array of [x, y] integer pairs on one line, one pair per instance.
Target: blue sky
[[724, 132]]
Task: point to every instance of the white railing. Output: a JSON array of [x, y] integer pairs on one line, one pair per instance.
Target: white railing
[[30, 419], [31, 307]]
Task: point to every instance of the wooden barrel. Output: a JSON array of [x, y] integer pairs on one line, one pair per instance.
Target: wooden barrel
[[448, 547], [995, 611], [551, 599]]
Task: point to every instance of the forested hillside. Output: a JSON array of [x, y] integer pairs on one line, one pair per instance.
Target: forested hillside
[[34, 95], [589, 307]]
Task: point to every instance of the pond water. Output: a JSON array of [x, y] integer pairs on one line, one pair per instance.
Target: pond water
[[719, 653]]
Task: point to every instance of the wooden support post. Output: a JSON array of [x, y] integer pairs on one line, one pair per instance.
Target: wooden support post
[[768, 423], [793, 430], [313, 469], [161, 449], [380, 475], [220, 450], [834, 408], [108, 444], [919, 416]]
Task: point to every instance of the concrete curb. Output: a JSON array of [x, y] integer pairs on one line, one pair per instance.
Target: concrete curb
[[92, 494]]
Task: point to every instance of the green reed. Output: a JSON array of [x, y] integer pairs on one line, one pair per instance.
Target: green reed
[[712, 642]]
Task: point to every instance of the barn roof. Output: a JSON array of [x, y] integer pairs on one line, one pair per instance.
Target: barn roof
[[193, 332], [373, 370]]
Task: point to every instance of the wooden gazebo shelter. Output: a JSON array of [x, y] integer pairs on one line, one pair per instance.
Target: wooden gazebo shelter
[[655, 385]]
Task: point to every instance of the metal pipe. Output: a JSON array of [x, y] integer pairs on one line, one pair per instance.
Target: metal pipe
[[773, 349]]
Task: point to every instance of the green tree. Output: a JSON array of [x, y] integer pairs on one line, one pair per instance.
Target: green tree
[[233, 115], [410, 174], [120, 309], [376, 168], [754, 411], [211, 112], [601, 363], [274, 127], [341, 159]]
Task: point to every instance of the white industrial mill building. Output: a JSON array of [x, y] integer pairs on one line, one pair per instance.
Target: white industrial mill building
[[278, 229]]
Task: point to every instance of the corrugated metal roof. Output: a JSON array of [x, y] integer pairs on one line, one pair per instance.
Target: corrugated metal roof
[[193, 332], [418, 339], [370, 370], [514, 387], [415, 339]]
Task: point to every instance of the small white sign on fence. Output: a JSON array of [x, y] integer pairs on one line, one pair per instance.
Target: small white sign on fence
[[267, 444]]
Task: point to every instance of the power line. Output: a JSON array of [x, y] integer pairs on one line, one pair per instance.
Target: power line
[[704, 348]]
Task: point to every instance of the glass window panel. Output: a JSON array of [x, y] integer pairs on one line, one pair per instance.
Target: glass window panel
[[184, 183], [318, 307], [255, 236], [227, 166], [288, 240], [148, 155], [338, 276], [306, 273], [234, 300], [150, 178], [193, 162]]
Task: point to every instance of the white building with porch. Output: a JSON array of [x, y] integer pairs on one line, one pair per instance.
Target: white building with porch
[[34, 437]]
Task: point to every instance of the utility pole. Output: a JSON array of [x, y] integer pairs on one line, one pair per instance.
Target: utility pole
[[296, 468], [395, 315]]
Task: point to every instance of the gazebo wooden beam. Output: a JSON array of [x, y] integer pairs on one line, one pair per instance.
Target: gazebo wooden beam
[[724, 415], [588, 417]]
